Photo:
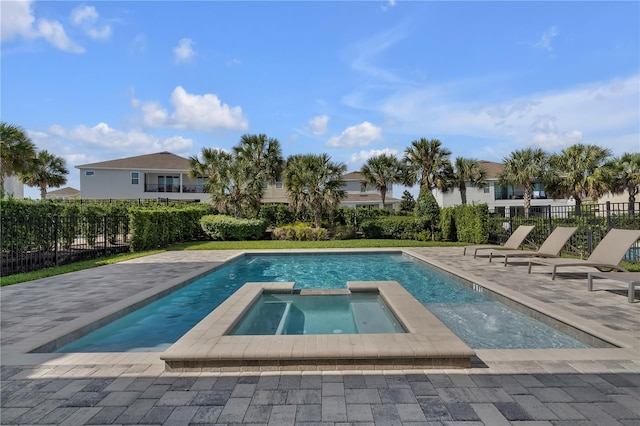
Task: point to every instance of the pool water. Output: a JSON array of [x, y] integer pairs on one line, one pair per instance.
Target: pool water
[[275, 314], [481, 322]]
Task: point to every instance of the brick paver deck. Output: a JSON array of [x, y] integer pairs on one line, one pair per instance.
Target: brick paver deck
[[520, 387]]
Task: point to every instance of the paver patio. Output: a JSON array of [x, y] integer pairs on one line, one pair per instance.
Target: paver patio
[[521, 387]]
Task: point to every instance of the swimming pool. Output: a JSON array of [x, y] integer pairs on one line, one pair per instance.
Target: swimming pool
[[482, 322]]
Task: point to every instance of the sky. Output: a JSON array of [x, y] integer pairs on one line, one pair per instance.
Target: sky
[[97, 81]]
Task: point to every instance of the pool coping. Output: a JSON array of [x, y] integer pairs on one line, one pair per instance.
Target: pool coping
[[427, 344], [627, 340]]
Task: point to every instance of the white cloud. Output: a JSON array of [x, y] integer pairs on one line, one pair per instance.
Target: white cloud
[[234, 62], [193, 112], [153, 115], [184, 51], [118, 142], [137, 45], [16, 20], [318, 125], [389, 5], [545, 40], [362, 156], [356, 136], [86, 17], [204, 112], [599, 111], [54, 33]]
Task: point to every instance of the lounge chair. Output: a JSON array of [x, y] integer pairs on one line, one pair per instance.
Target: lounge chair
[[515, 240], [605, 257], [551, 247], [632, 279]]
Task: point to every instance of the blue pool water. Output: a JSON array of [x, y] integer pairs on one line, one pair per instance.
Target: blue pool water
[[482, 322], [318, 314]]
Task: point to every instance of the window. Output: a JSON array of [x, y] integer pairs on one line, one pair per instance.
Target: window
[[89, 173], [265, 185], [486, 189], [279, 185], [135, 178]]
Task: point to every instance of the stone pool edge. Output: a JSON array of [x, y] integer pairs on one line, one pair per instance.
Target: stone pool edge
[[427, 344]]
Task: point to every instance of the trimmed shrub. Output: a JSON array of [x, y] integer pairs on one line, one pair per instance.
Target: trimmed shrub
[[161, 226], [276, 214], [299, 232], [468, 223], [222, 227], [395, 227]]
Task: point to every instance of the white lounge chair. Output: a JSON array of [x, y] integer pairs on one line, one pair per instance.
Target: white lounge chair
[[605, 257], [551, 247], [513, 242]]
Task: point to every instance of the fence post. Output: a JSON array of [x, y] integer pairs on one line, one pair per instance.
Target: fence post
[[608, 216], [549, 219], [56, 224], [589, 242], [104, 235]]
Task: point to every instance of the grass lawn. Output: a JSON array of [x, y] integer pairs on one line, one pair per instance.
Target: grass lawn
[[237, 245]]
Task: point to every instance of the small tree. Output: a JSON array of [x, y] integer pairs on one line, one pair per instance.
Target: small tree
[[408, 203], [427, 207]]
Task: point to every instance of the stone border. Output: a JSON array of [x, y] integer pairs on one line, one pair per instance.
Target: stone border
[[428, 343]]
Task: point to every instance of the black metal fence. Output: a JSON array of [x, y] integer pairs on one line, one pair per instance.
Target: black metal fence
[[593, 222], [29, 245]]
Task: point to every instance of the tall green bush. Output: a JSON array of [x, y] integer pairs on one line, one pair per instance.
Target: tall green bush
[[222, 227], [395, 227], [427, 208], [160, 226]]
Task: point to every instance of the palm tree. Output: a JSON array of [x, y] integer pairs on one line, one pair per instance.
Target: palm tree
[[627, 177], [17, 152], [581, 171], [315, 181], [264, 156], [382, 171], [468, 170], [525, 168], [228, 178], [429, 164], [47, 170]]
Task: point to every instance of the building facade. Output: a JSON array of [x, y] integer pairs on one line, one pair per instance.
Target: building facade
[[499, 199], [166, 176]]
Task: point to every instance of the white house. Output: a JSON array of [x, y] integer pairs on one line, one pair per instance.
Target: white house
[[166, 175], [499, 199], [151, 176]]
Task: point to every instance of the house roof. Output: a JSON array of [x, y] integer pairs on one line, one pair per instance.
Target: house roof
[[353, 176], [493, 169], [64, 191], [158, 161]]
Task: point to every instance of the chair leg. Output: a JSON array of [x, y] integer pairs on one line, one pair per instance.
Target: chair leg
[[553, 274]]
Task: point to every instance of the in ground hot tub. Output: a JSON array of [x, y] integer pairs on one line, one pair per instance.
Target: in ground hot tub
[[274, 314], [417, 340]]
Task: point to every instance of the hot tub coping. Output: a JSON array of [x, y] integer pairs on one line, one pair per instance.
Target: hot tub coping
[[428, 343]]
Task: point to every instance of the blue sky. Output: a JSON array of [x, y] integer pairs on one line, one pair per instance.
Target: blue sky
[[95, 81]]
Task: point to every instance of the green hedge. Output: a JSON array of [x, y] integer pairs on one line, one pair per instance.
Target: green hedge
[[467, 223], [161, 226], [222, 227], [396, 227], [299, 232]]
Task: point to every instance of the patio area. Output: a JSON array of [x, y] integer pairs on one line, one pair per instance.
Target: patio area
[[527, 387]]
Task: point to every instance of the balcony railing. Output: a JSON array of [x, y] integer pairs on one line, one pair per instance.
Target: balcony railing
[[189, 189]]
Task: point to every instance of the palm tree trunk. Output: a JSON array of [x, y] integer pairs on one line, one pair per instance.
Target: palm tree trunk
[[632, 204], [383, 194], [578, 206], [43, 192], [528, 189]]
